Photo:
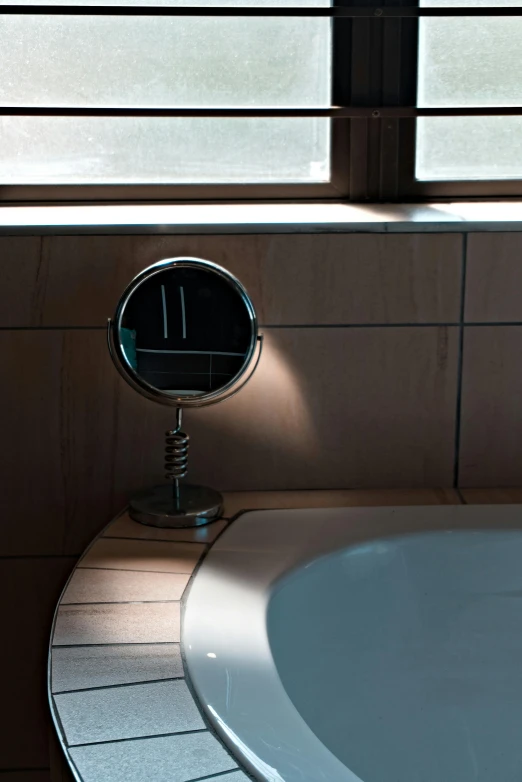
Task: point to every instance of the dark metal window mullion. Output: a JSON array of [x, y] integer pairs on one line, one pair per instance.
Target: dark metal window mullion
[[341, 96], [375, 97], [383, 73], [376, 51], [389, 136], [407, 96], [361, 39], [399, 54]]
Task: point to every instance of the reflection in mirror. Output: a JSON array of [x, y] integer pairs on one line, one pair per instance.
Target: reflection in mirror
[[186, 331]]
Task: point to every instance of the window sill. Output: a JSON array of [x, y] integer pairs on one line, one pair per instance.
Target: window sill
[[256, 218]]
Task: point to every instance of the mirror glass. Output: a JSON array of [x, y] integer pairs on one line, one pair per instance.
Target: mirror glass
[[186, 329]]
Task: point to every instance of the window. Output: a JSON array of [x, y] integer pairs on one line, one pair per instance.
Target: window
[[87, 63], [204, 99], [470, 62]]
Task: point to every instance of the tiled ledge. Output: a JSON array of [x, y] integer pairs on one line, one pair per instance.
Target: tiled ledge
[[122, 706], [117, 688], [257, 218]]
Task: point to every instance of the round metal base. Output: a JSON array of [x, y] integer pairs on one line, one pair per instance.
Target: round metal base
[[158, 506]]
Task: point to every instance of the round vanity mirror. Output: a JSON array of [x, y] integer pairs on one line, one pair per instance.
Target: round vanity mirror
[[184, 332]]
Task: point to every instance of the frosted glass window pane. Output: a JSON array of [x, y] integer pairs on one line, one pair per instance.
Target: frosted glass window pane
[[469, 148], [160, 62], [77, 151], [469, 62]]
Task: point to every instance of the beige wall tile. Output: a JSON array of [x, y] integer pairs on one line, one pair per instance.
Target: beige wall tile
[[508, 496], [328, 408], [33, 518], [491, 438], [29, 592], [66, 468], [336, 408], [58, 427], [494, 277], [309, 279], [23, 281]]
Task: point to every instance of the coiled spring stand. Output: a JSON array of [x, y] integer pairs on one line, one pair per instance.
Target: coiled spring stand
[[176, 504]]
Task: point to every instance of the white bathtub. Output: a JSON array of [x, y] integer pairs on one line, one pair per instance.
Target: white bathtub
[[372, 644]]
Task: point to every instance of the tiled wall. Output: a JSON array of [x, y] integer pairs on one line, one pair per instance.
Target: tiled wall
[[379, 370]]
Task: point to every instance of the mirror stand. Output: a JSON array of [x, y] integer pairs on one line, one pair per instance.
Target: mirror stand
[[184, 334], [176, 504]]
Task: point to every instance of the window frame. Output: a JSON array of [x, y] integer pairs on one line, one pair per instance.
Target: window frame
[[411, 189], [337, 188], [374, 67]]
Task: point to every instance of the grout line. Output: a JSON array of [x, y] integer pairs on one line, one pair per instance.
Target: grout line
[[261, 326], [460, 365], [218, 774], [276, 326], [130, 570], [461, 496], [116, 686], [40, 556], [138, 738], [101, 537], [406, 227], [494, 323], [354, 325], [156, 540], [118, 602], [116, 643], [391, 325], [53, 328]]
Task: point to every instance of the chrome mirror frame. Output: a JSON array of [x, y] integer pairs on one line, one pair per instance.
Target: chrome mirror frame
[[154, 394]]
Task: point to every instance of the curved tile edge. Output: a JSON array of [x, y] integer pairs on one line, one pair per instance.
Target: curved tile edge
[[110, 655]]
